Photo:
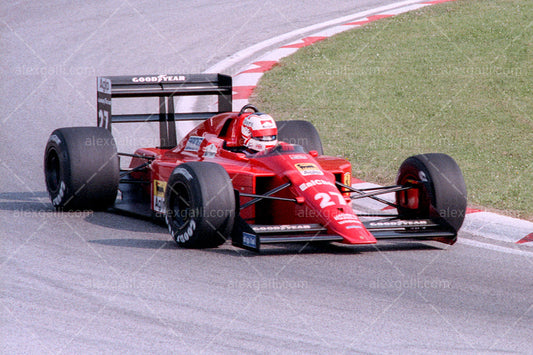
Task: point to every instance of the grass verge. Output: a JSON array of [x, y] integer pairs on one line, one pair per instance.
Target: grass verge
[[455, 78]]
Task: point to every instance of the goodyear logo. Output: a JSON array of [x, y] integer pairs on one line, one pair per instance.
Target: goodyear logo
[[399, 223], [158, 78]]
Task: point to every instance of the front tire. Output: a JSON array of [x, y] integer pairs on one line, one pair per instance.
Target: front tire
[[81, 168], [200, 205], [439, 191]]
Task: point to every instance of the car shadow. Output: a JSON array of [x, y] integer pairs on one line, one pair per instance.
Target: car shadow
[[324, 248], [118, 221], [32, 203], [136, 243], [271, 250], [37, 204]]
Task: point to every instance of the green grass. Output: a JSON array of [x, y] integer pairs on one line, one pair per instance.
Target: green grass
[[455, 78]]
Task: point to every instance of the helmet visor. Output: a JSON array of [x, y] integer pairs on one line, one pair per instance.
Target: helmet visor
[[266, 138]]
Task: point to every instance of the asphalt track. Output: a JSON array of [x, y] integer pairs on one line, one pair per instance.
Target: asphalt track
[[98, 282]]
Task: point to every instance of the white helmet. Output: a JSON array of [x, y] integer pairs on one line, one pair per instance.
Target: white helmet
[[259, 132]]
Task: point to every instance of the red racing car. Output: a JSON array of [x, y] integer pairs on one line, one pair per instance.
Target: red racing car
[[240, 175]]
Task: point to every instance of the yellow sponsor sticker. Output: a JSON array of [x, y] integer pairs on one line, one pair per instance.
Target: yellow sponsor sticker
[[347, 179], [159, 195], [308, 169]]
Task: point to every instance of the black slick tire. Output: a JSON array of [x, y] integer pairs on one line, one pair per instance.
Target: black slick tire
[[302, 133], [200, 205], [440, 192], [81, 168]]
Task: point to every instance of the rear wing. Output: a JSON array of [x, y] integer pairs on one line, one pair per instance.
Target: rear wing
[[166, 87]]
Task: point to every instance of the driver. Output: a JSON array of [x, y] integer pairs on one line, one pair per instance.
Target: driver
[[259, 132]]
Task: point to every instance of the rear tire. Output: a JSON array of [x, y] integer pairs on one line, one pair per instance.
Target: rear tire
[[441, 191], [200, 205], [302, 133], [81, 168]]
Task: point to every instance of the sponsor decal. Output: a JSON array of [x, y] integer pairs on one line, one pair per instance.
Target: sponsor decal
[[312, 183], [104, 101], [307, 169], [249, 240], [398, 223], [265, 122], [347, 179], [283, 228], [159, 196], [210, 151], [268, 123], [103, 98], [104, 85], [194, 143], [298, 156], [158, 78], [345, 216]]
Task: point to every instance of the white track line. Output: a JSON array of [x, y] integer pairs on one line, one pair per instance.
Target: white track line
[[248, 53], [508, 250]]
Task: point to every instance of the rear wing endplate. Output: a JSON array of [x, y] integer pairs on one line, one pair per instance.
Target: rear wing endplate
[[166, 87]]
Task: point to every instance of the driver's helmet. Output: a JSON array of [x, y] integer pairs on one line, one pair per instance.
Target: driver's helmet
[[259, 132]]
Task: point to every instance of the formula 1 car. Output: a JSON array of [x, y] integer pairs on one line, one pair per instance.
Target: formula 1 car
[[208, 190]]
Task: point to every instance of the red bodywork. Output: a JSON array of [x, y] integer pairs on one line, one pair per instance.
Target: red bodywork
[[312, 178]]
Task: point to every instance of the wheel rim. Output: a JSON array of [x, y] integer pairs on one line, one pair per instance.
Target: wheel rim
[[52, 171], [180, 205], [415, 199]]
